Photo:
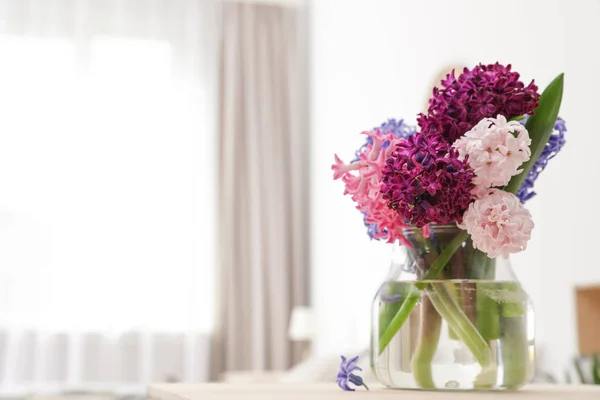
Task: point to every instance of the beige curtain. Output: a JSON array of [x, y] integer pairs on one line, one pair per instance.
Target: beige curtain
[[263, 215]]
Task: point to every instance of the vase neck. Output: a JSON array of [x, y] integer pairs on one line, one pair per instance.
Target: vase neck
[[466, 263]]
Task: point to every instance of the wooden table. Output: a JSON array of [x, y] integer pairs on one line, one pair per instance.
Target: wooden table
[[221, 391]]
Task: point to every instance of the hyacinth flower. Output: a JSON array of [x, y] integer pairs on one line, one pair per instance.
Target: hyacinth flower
[[554, 145], [484, 180], [362, 179], [416, 175], [484, 222], [401, 130], [345, 375], [398, 128], [540, 128], [415, 184], [482, 92], [496, 149]]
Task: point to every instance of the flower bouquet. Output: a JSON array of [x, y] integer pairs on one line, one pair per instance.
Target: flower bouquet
[[452, 192]]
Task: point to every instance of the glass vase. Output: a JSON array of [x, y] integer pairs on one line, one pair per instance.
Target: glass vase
[[468, 327]]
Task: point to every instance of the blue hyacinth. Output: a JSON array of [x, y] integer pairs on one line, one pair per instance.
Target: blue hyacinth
[[345, 374], [554, 145]]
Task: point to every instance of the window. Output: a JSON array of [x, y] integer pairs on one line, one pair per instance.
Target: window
[[106, 187]]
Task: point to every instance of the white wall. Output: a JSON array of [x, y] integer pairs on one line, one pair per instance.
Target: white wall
[[376, 59]]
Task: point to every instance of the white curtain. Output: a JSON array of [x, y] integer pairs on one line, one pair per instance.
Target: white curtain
[[107, 185], [263, 203]]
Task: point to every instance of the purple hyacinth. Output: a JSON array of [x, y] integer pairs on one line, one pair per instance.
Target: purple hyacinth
[[554, 145], [425, 182], [400, 129], [345, 374], [482, 92]]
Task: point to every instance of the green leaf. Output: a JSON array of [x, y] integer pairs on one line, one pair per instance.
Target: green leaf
[[540, 126], [596, 369], [517, 118]]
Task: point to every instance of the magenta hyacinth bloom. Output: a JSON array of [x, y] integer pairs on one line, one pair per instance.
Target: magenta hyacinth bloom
[[483, 92], [425, 182]]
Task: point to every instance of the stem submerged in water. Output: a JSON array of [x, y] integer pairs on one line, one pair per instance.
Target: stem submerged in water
[[440, 302], [488, 311], [514, 353], [514, 341], [460, 323], [429, 336], [414, 295]]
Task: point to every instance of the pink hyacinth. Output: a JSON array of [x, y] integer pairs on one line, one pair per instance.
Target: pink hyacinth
[[363, 180], [495, 149], [498, 223]]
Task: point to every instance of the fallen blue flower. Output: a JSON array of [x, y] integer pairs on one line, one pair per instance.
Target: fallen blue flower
[[345, 375]]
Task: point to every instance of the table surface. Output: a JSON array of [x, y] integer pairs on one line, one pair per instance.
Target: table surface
[[221, 391]]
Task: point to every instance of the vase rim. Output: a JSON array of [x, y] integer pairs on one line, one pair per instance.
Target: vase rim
[[432, 227]]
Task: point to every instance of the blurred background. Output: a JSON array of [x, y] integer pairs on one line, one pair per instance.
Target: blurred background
[[167, 209]]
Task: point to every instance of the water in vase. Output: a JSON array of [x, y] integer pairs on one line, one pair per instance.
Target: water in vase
[[458, 335]]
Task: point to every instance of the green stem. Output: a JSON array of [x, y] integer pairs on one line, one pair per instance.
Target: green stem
[[468, 291], [415, 293], [460, 323], [454, 290], [389, 308], [596, 369], [487, 307], [513, 299], [514, 352], [458, 271], [513, 343], [488, 311], [401, 316], [429, 336], [430, 324]]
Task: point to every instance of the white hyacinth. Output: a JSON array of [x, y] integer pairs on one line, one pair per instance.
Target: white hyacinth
[[496, 149]]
